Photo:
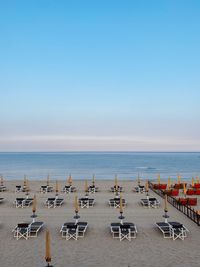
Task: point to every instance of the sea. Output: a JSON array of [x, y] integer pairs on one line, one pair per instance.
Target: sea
[[104, 165]]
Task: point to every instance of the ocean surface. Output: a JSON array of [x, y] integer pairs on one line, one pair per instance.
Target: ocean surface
[[102, 165]]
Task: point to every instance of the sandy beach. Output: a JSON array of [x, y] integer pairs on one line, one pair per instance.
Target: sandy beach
[[97, 248]]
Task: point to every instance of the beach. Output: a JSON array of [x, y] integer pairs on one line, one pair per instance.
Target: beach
[[97, 248]]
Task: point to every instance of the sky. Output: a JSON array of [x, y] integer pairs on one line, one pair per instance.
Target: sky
[[104, 75]]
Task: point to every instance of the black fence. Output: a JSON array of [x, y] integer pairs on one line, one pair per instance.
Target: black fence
[[187, 210]]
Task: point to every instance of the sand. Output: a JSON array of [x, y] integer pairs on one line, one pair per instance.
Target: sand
[[97, 248]]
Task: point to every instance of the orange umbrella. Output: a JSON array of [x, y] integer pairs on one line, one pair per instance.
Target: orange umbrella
[[48, 248]]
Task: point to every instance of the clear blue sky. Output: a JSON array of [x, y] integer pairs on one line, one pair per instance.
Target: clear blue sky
[[100, 75]]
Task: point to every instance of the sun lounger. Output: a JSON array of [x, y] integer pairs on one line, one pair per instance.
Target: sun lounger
[[71, 230], [2, 188], [54, 202], [69, 189], [93, 189], [123, 231], [46, 189], [115, 202], [22, 230], [18, 189], [172, 230], [23, 202], [35, 228], [115, 189], [139, 189], [150, 203], [164, 228], [19, 202], [27, 230], [86, 202]]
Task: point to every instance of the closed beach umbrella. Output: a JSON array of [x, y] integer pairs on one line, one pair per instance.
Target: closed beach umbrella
[[2, 180], [192, 181], [184, 189], [168, 183], [121, 205], [165, 204], [116, 181], [25, 184], [197, 179], [70, 180], [86, 186], [34, 204], [147, 186], [57, 189], [93, 180], [138, 180], [48, 178], [158, 178], [48, 248], [179, 179], [76, 207]]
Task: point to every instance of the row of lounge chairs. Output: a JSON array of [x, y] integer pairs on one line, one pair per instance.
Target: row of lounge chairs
[[84, 202], [120, 230]]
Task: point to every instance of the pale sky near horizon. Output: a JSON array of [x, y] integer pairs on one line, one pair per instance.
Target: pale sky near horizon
[[100, 75]]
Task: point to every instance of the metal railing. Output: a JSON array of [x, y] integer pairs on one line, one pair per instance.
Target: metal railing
[[185, 209]]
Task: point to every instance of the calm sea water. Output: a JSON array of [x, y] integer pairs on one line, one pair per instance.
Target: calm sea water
[[103, 165]]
